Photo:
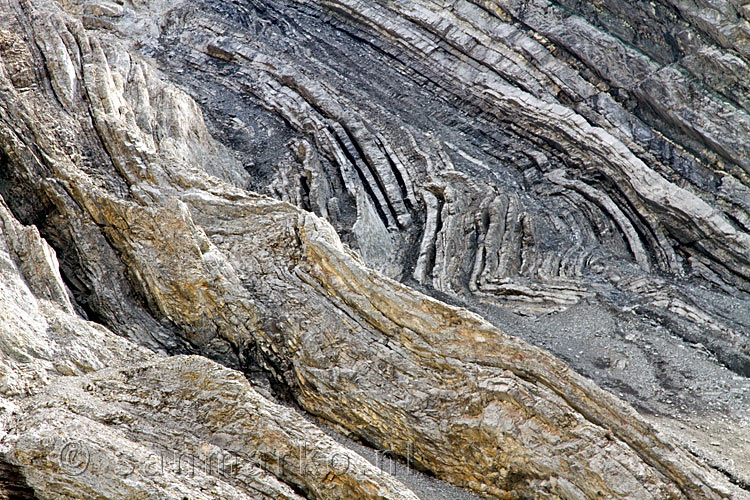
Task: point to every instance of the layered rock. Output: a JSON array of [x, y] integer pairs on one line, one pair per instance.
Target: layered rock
[[538, 191], [87, 414], [182, 426]]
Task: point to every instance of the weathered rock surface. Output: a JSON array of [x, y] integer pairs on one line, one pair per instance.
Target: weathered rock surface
[[74, 427], [577, 175], [135, 431]]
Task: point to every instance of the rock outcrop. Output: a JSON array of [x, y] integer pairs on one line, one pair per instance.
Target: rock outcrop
[[87, 414], [356, 204]]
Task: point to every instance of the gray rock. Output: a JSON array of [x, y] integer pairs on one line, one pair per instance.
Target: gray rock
[[357, 204]]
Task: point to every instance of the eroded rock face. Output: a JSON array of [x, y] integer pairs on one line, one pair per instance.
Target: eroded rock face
[[144, 428], [564, 179], [87, 414], [508, 156]]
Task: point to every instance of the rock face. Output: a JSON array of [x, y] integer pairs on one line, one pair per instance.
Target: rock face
[[362, 206], [86, 414]]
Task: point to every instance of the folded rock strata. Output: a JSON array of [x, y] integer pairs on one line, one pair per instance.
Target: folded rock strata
[[87, 414], [163, 239]]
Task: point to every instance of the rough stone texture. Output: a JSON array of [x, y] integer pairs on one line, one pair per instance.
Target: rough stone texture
[[72, 427], [42, 338], [145, 428], [575, 173]]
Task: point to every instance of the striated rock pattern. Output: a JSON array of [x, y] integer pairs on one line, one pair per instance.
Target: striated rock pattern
[[362, 206], [86, 414]]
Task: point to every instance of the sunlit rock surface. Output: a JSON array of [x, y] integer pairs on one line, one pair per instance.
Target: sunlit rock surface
[[419, 222]]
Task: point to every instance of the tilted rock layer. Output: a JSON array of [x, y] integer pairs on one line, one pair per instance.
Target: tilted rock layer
[[280, 187]]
